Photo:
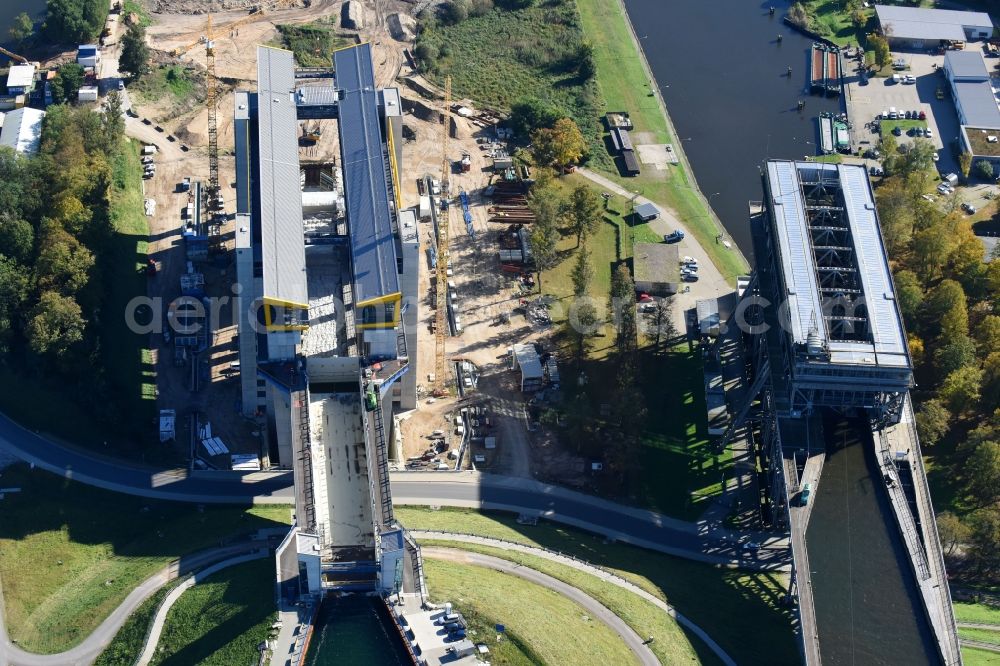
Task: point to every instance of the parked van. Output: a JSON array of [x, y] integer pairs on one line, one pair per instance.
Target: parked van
[[806, 494]]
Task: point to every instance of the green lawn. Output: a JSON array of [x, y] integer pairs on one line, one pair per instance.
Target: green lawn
[[221, 620], [69, 553], [670, 643], [977, 613], [312, 43], [129, 640], [546, 626], [886, 127], [136, 7], [740, 610], [624, 86], [976, 657], [981, 635], [126, 355]]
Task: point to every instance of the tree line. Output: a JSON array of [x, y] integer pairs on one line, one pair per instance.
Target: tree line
[[948, 294], [56, 233]]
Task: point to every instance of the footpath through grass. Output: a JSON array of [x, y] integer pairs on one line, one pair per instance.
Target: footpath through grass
[[624, 85], [545, 626], [740, 610], [670, 644], [131, 638], [981, 635], [221, 620], [977, 657], [70, 553]]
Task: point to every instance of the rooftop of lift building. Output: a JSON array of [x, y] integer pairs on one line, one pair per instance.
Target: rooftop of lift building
[[367, 178], [835, 284]]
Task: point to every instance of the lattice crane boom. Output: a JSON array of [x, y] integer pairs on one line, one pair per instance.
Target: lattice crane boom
[[444, 228]]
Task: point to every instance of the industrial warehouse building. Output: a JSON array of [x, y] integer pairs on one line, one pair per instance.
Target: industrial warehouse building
[[975, 103], [22, 130], [919, 28]]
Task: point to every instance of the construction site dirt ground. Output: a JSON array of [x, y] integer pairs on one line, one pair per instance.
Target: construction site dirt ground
[[483, 293]]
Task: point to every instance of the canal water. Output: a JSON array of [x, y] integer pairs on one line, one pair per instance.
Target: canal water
[[350, 631], [867, 605], [11, 8], [722, 74]]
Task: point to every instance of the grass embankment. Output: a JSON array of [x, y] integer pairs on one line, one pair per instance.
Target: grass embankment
[[129, 640], [624, 85], [312, 43], [740, 610], [129, 370], [547, 627], [126, 355], [221, 620], [177, 87], [70, 554], [670, 644], [136, 7], [982, 635], [976, 657], [977, 613]]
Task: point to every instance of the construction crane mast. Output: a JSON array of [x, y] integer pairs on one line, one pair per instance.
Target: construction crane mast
[[213, 195], [444, 223]]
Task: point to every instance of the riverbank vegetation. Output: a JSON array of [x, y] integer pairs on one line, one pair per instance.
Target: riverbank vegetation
[[560, 58], [948, 295], [75, 21], [754, 629], [843, 22], [221, 620], [70, 553]]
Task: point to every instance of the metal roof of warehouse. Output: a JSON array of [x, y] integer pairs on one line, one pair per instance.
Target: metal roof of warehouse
[[979, 105], [920, 23], [366, 181], [966, 65], [283, 252], [795, 256]]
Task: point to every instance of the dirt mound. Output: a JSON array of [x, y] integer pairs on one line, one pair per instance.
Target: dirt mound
[[402, 27]]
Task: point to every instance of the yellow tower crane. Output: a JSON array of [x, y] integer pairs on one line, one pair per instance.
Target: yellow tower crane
[[444, 223]]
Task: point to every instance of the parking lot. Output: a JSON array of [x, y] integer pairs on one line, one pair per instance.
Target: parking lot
[[866, 101]]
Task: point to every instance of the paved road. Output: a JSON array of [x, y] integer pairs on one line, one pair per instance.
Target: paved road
[[153, 638], [596, 610], [586, 567], [93, 645], [700, 541]]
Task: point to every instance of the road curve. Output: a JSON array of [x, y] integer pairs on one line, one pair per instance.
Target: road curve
[[705, 542], [642, 652], [586, 567], [96, 642], [156, 628]]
